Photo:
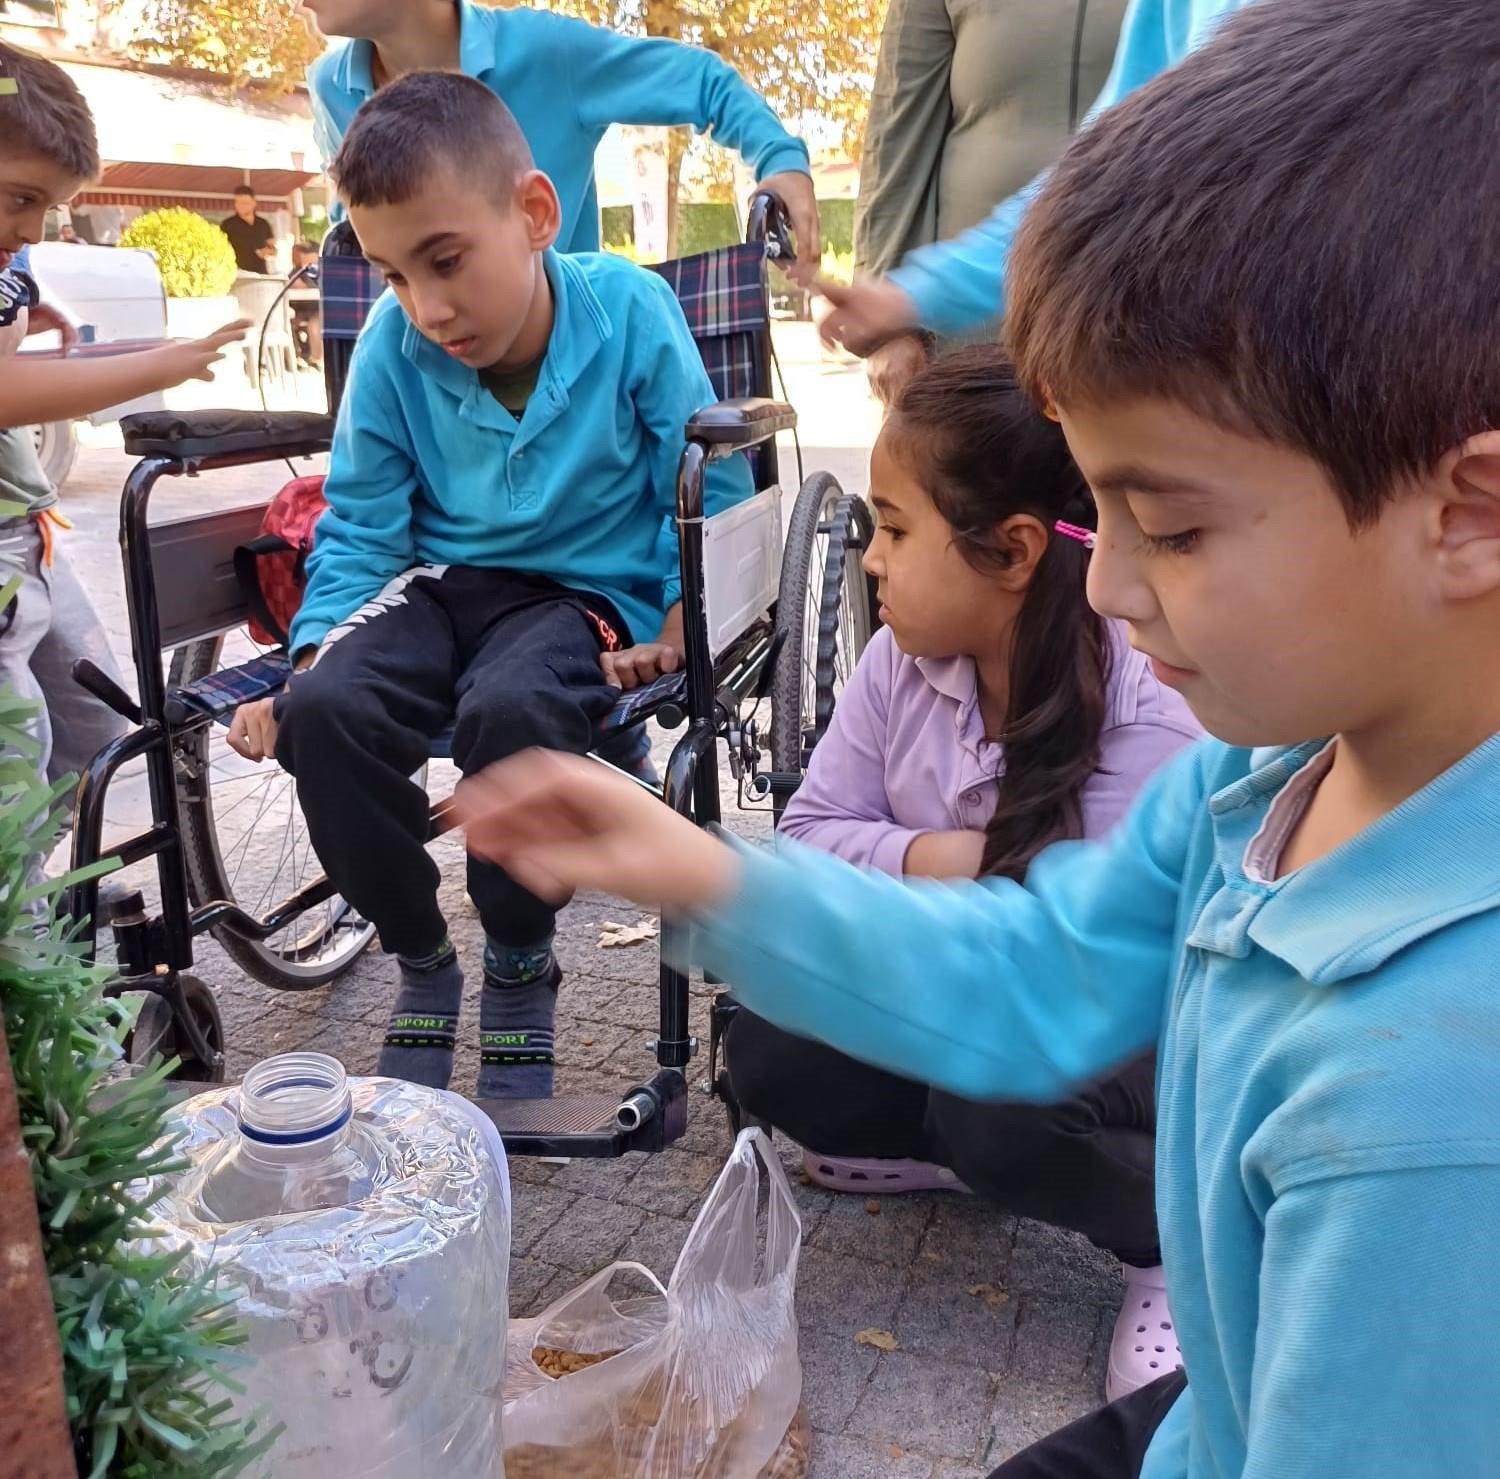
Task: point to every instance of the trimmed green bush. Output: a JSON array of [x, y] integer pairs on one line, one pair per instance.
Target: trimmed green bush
[[194, 255]]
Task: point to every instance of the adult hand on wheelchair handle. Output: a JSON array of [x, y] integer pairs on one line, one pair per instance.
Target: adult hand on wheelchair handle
[[795, 191], [559, 823], [252, 733]]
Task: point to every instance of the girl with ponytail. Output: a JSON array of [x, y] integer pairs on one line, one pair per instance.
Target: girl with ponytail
[[993, 715]]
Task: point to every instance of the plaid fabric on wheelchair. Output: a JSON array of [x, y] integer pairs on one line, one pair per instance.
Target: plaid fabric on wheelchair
[[220, 693], [722, 292], [723, 297], [350, 287]]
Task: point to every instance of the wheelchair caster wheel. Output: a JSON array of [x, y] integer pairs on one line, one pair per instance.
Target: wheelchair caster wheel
[[157, 1034]]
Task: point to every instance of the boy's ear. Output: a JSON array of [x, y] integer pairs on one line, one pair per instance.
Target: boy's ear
[[536, 198], [1469, 541]]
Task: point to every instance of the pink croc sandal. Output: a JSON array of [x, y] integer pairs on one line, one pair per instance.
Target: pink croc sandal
[[878, 1177], [1144, 1346]]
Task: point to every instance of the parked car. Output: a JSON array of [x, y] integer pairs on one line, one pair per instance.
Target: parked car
[[115, 294]]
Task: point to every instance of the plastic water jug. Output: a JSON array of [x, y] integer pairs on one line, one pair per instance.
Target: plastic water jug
[[364, 1225]]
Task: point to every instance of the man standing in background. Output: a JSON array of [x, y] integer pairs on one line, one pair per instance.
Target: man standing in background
[[249, 234]]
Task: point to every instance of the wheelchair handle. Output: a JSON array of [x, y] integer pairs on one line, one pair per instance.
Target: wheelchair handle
[[770, 223], [106, 690]]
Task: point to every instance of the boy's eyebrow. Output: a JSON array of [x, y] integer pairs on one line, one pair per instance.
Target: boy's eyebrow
[[426, 244], [1131, 479]]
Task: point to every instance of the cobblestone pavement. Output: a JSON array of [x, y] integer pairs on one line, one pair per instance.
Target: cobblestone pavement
[[975, 1375]]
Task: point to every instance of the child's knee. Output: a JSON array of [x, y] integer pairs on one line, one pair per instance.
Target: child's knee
[[537, 714], [315, 712]]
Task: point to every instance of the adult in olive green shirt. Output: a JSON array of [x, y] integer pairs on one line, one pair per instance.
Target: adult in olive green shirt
[[972, 99]]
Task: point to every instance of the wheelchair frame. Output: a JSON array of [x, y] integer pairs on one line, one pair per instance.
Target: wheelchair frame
[[705, 699]]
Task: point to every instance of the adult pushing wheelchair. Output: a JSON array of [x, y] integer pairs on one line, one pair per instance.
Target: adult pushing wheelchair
[[774, 609]]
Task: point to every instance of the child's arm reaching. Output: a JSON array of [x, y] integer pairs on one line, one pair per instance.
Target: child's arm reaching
[[985, 990], [653, 80], [45, 389]]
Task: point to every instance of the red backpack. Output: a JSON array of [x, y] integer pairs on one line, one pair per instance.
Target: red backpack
[[272, 570]]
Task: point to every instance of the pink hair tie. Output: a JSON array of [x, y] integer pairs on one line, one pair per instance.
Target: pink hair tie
[[1086, 537]]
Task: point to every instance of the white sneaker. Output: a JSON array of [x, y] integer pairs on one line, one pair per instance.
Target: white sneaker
[[1144, 1346]]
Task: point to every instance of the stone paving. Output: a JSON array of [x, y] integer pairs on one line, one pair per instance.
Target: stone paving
[[974, 1376]]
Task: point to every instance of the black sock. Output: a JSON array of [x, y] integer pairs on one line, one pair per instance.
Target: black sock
[[419, 1040], [516, 1011]]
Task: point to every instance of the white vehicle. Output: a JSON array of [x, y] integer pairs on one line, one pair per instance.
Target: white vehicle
[[114, 294]]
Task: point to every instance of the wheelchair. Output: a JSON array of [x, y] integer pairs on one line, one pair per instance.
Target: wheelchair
[[775, 610]]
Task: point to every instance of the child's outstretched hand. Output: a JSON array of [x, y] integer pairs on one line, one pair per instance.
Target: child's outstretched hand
[[194, 359], [559, 823]]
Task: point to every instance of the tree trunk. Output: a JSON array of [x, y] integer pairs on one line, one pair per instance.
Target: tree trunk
[[678, 140], [34, 1438]]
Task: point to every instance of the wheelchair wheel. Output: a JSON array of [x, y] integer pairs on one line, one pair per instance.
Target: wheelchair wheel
[[155, 1034], [245, 840], [825, 607]]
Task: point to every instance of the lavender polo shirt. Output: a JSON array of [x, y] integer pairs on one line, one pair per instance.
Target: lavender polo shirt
[[906, 754]]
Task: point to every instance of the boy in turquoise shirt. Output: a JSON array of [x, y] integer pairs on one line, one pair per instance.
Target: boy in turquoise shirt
[[1257, 296], [499, 550], [566, 82], [954, 286]]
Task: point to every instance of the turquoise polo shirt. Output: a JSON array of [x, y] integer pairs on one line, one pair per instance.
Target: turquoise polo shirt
[[428, 468], [566, 82], [1328, 1083]]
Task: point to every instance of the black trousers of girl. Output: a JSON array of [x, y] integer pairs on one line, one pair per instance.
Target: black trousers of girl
[[1085, 1164]]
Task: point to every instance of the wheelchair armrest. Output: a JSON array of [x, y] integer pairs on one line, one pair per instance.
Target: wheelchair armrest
[[731, 426], [193, 435]]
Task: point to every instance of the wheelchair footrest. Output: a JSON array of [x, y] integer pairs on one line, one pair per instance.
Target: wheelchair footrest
[[594, 1126]]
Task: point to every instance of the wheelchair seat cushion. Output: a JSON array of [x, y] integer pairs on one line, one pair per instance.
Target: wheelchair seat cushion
[[196, 434]]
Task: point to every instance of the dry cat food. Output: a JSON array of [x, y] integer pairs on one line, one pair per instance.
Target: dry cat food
[[626, 1459], [558, 1363]]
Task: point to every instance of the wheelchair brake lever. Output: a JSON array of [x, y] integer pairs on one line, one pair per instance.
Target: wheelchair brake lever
[[89, 675]]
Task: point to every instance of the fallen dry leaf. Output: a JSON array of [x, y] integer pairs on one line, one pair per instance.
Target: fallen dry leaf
[[882, 1340], [873, 1207], [896, 1452], [588, 1042], [620, 936], [989, 1294]]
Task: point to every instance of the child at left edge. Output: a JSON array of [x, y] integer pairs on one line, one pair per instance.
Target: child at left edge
[[499, 552]]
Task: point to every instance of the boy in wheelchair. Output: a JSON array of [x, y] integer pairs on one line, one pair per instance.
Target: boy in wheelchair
[[499, 540]]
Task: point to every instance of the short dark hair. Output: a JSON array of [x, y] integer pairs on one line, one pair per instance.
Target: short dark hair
[[1291, 233], [46, 115], [240, 190], [422, 121]]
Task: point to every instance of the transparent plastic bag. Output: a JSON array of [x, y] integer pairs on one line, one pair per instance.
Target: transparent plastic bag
[[701, 1380], [366, 1223]]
